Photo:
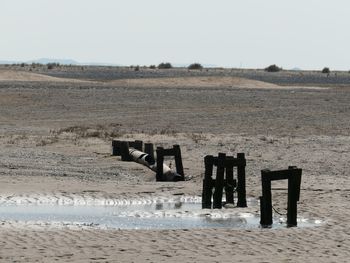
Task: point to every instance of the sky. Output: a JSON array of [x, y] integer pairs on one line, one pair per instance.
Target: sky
[[308, 34]]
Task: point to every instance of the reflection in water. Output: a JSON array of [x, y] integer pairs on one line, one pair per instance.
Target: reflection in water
[[159, 206]]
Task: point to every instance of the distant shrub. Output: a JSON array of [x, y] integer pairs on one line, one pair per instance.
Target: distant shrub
[[52, 65], [195, 66], [165, 65], [137, 68], [273, 68], [326, 70], [22, 65], [34, 65], [152, 66]]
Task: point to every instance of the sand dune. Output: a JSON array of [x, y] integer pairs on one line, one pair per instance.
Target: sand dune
[[204, 82], [15, 75], [171, 82]]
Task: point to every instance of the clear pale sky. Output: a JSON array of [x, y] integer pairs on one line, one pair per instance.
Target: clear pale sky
[[309, 34]]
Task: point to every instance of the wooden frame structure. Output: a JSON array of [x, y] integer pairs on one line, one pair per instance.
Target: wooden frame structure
[[224, 163], [293, 175], [161, 153]]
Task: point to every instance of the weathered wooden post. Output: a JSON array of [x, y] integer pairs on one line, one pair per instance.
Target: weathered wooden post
[[178, 161], [115, 147], [229, 184], [149, 149], [124, 151], [219, 181], [138, 145], [207, 192], [160, 161], [294, 182], [266, 205], [241, 191]]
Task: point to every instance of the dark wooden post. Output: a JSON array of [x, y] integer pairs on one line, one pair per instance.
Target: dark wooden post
[[178, 161], [293, 195], [219, 181], [149, 149], [160, 161], [115, 148], [207, 182], [262, 212], [241, 192], [266, 213], [229, 185], [124, 151], [138, 145]]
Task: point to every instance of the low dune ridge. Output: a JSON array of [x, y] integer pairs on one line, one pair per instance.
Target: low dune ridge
[[152, 82], [16, 75], [204, 82]]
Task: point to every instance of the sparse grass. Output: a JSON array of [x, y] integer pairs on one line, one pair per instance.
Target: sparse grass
[[96, 131], [197, 137], [47, 141]]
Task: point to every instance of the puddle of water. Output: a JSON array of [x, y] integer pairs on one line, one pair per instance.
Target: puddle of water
[[159, 215]]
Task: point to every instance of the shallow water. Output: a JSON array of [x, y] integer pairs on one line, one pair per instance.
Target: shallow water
[[159, 215]]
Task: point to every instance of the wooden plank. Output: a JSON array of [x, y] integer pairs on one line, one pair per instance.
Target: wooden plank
[[282, 174], [229, 161]]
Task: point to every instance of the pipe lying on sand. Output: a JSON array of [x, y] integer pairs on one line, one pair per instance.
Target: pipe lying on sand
[[148, 161]]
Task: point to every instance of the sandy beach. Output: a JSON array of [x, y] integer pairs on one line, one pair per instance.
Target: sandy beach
[[55, 147]]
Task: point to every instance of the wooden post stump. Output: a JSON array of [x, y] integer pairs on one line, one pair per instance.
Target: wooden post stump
[[149, 149], [208, 182], [160, 161], [241, 191], [124, 151], [115, 147], [219, 181]]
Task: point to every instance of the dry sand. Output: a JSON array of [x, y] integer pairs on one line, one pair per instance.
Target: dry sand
[[42, 159]]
